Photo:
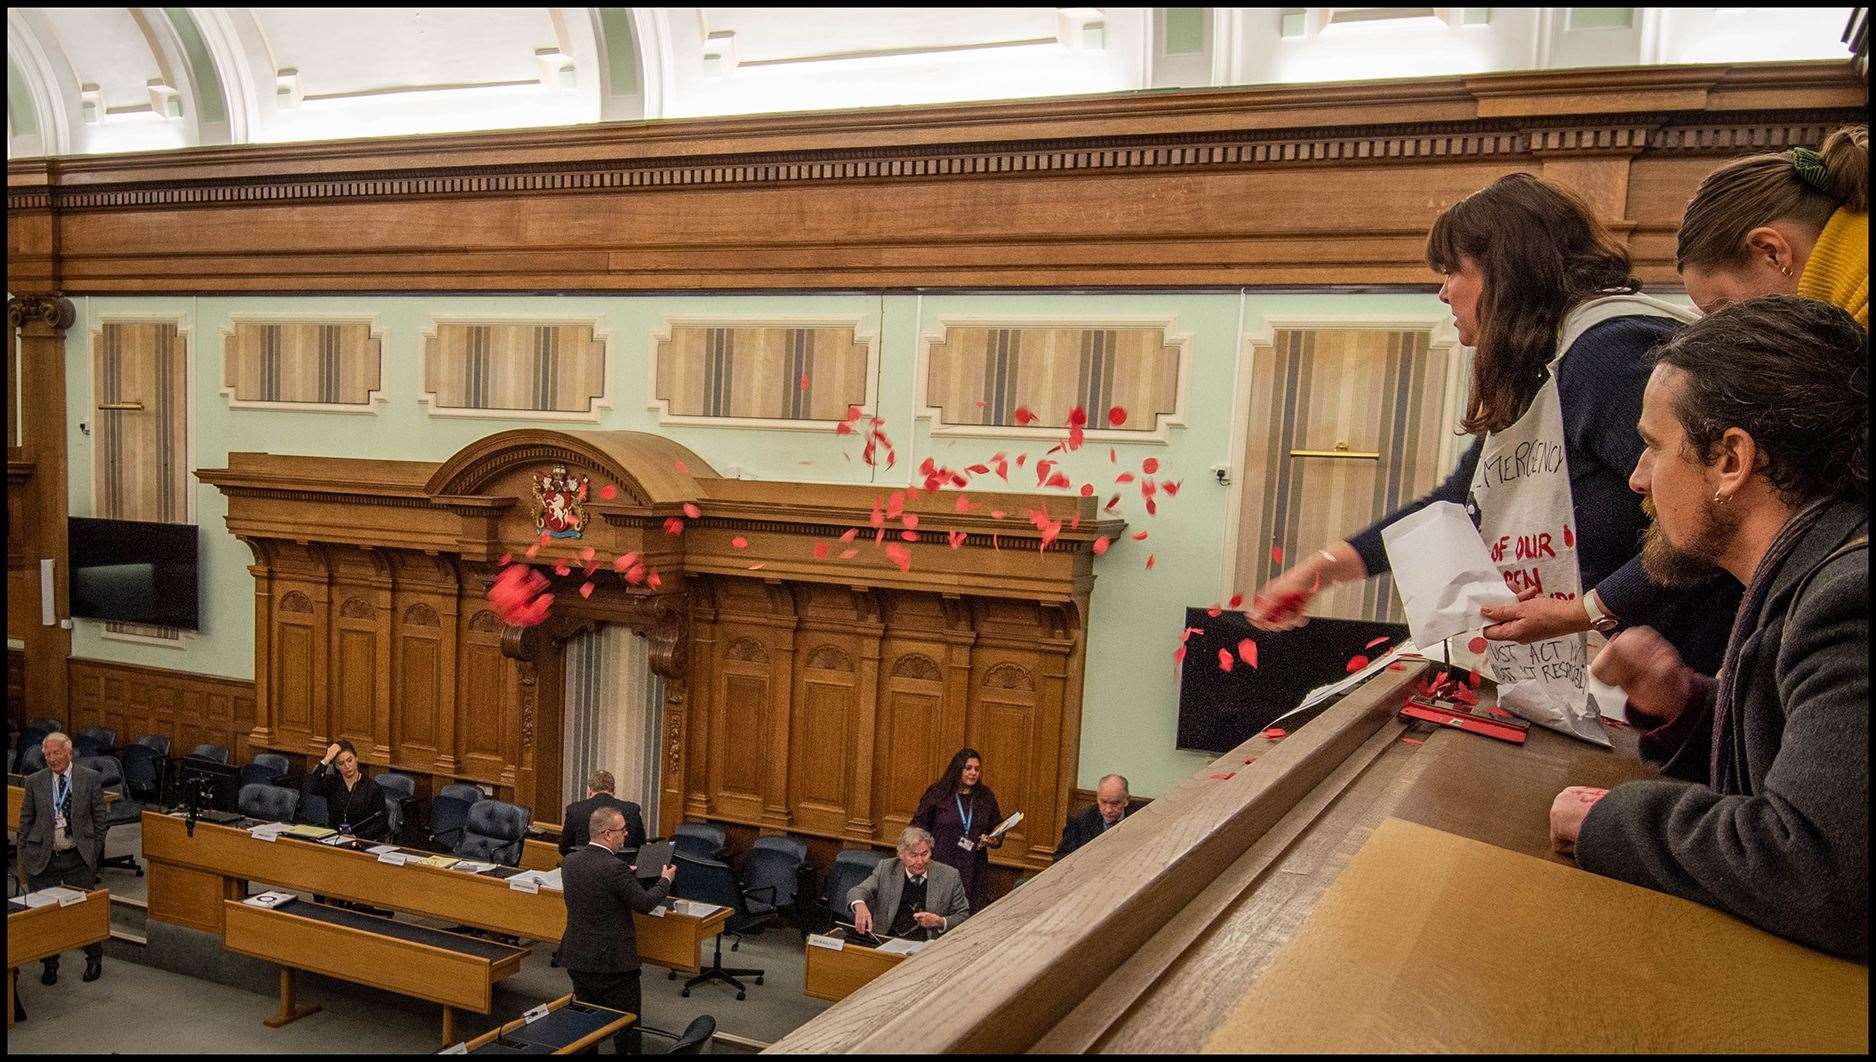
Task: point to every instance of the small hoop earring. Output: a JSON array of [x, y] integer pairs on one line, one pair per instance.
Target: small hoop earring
[[1785, 269], [1717, 500]]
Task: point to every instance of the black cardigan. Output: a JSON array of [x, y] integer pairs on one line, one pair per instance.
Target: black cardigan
[[353, 806], [1599, 387]]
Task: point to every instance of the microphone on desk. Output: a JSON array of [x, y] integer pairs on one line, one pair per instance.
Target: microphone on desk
[[351, 829]]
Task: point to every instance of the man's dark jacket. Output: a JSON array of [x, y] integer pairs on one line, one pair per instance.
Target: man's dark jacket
[[601, 893], [1085, 827], [574, 822], [1782, 838]]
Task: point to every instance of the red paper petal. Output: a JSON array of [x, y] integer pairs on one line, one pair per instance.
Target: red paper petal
[[608, 492], [692, 511], [505, 559], [1225, 776], [1356, 663], [682, 470], [1476, 645], [1225, 660], [911, 521], [1112, 457], [1214, 612], [532, 550], [1236, 600], [1569, 540], [1276, 554], [636, 575], [1376, 642], [673, 526], [1472, 678], [820, 551], [849, 534], [843, 428], [1087, 490], [1149, 562], [1412, 741], [1179, 656], [654, 580], [1100, 545], [586, 554], [1150, 465], [1124, 477], [996, 514], [1139, 536], [560, 568], [739, 542], [899, 555], [1171, 486], [1152, 507], [909, 536], [956, 538], [586, 589], [1023, 416], [1247, 649], [804, 381], [1276, 733], [848, 554], [1116, 416]]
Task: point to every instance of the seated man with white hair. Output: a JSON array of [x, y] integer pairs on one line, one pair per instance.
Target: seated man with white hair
[[909, 893]]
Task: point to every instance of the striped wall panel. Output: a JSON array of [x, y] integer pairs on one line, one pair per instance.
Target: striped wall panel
[[312, 363], [552, 367], [1356, 391], [769, 372], [978, 375], [140, 451]]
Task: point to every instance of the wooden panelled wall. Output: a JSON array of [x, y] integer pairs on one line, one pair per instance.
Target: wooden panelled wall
[[188, 709]]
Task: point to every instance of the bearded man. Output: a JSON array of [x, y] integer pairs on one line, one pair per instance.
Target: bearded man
[[1756, 461]]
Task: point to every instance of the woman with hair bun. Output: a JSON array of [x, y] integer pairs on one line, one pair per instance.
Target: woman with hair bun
[[1791, 223]]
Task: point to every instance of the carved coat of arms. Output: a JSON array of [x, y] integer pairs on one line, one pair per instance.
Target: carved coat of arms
[[560, 502]]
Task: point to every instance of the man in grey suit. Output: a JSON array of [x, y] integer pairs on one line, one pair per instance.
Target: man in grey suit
[[62, 835], [600, 948], [909, 893]]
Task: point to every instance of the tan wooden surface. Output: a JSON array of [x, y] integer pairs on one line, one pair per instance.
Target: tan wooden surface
[[45, 931], [539, 855], [191, 877], [456, 979], [1434, 943], [835, 975], [574, 1048]]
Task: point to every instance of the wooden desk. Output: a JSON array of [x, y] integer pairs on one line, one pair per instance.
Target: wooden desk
[[537, 854], [571, 1047], [190, 878], [1144, 940], [834, 974], [445, 968], [46, 931]]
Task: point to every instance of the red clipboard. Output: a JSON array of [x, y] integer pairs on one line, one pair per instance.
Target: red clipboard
[[1473, 720]]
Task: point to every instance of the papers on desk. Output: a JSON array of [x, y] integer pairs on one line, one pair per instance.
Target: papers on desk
[[337, 839], [816, 940], [549, 879], [694, 909], [268, 831], [311, 833], [441, 862], [56, 896], [533, 881], [393, 856], [269, 900], [470, 866], [1320, 694], [380, 849], [901, 946]]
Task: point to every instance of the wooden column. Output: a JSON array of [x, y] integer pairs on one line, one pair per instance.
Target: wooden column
[[40, 322]]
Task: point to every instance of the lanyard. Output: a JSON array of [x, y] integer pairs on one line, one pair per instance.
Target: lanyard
[[61, 788], [962, 817]]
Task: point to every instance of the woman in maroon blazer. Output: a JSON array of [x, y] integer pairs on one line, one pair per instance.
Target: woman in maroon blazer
[[959, 811]]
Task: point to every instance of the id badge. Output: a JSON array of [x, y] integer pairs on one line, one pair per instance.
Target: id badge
[[965, 843]]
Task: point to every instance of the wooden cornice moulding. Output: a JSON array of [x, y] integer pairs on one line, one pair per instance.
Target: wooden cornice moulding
[[1038, 193]]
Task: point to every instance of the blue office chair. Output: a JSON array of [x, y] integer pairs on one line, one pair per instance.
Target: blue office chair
[[399, 791], [261, 774], [449, 810], [280, 764], [851, 867], [32, 758], [31, 737], [94, 741], [120, 812], [210, 752], [143, 773], [46, 725], [692, 1040], [771, 878], [493, 832], [313, 810], [708, 881], [158, 742], [700, 840], [274, 803]]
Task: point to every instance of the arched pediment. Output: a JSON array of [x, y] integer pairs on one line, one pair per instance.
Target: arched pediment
[[644, 467]]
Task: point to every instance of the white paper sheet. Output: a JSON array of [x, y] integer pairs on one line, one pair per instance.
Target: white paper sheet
[[55, 896], [1443, 572], [901, 946]]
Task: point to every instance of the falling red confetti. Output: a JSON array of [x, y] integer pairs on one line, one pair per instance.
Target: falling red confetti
[[1356, 663], [608, 492], [1225, 660], [1139, 536], [820, 551], [1472, 678], [1236, 600], [1150, 465], [560, 568], [586, 554], [1476, 645], [911, 521], [1112, 457], [1101, 544], [1179, 656], [964, 503], [909, 536], [1247, 649], [673, 526], [739, 542], [804, 381], [1023, 416], [996, 514], [899, 555], [1376, 642], [1412, 741], [1116, 417], [1171, 487], [1111, 503], [532, 550], [654, 580], [1149, 562], [1152, 507], [1225, 776], [848, 554], [1276, 554], [1124, 477], [505, 559], [1276, 732], [980, 403], [843, 428], [957, 539], [1569, 540], [586, 589], [1214, 612], [849, 534], [692, 511], [1397, 666], [1087, 490], [682, 469]]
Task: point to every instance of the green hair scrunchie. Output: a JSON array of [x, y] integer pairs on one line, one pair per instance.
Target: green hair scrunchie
[[1810, 167]]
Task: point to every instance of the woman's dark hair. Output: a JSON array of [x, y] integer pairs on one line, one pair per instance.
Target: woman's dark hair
[[948, 782], [1791, 372], [1541, 252], [344, 747], [1802, 185]]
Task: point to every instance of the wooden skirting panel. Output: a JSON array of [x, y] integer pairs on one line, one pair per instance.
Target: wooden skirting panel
[[188, 709], [1289, 184]]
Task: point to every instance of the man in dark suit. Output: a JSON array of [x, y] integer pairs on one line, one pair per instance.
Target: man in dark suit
[[600, 948], [1111, 804], [573, 829], [61, 835]]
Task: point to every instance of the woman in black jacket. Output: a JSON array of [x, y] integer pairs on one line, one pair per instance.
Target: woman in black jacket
[[354, 803]]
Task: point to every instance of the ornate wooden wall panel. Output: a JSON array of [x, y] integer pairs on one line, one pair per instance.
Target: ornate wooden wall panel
[[757, 372], [304, 363], [914, 729], [739, 731], [188, 709], [490, 365]]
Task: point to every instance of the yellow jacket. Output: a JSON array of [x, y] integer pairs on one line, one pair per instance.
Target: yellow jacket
[[1838, 270]]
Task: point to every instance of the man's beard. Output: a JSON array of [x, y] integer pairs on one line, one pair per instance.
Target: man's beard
[[1668, 565]]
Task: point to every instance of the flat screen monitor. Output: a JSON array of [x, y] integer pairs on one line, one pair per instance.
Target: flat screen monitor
[[1220, 710], [134, 571]]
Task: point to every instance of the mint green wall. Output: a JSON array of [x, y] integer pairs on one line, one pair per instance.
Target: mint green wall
[[1130, 692]]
